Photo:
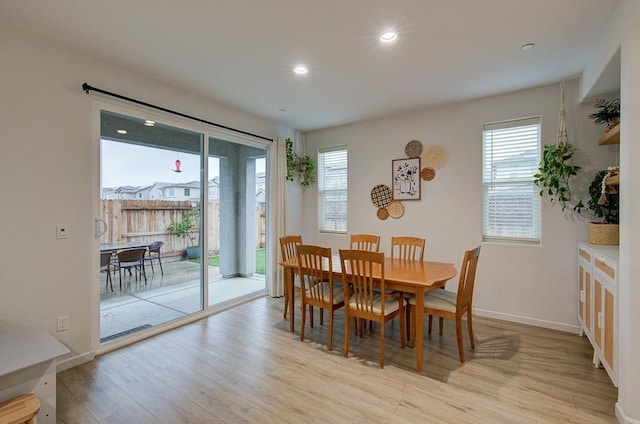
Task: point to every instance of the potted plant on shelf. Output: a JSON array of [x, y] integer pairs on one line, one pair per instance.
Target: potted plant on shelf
[[185, 230], [607, 113], [603, 203]]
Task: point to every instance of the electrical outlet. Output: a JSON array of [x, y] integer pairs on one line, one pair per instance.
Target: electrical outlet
[[62, 323], [62, 232]]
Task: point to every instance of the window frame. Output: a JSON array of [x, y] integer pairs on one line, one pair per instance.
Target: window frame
[[322, 211], [516, 197]]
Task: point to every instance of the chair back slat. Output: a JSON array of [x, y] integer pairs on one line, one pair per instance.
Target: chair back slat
[[366, 272], [288, 246], [315, 269], [368, 242], [409, 248], [467, 279]]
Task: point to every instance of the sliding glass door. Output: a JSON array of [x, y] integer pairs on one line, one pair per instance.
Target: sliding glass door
[[193, 220]]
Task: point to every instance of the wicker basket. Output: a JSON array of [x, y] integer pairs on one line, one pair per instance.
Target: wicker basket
[[603, 233]]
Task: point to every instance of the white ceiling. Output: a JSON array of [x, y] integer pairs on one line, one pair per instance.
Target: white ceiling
[[241, 52]]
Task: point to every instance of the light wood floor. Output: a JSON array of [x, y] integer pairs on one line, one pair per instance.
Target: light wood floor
[[243, 365]]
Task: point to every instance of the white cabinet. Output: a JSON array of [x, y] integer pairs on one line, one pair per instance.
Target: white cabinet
[[28, 365], [597, 303]]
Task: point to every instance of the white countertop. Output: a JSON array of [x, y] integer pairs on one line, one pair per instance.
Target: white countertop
[[23, 348]]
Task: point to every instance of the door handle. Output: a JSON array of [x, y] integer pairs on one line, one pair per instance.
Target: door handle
[[100, 227]]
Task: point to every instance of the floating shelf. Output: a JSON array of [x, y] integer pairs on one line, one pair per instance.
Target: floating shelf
[[612, 137]]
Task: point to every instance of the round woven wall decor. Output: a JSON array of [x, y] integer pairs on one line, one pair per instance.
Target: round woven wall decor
[[413, 149], [382, 214], [434, 157], [396, 209], [428, 173], [381, 196]]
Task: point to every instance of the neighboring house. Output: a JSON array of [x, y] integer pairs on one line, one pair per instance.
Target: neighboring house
[[154, 191], [179, 191], [182, 191], [120, 193], [214, 190], [261, 200]]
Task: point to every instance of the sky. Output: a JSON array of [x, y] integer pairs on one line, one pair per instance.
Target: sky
[[128, 164]]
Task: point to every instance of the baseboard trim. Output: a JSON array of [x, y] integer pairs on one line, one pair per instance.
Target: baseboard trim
[[552, 325], [622, 417], [73, 361]]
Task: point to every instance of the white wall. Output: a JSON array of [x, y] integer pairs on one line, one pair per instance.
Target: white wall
[[623, 35], [531, 284], [49, 175]]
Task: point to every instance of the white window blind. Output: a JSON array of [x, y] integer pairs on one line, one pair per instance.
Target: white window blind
[[511, 203], [332, 189]]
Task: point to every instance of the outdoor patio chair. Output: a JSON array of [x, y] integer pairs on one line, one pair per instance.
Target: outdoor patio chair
[[154, 253], [131, 258], [105, 266]]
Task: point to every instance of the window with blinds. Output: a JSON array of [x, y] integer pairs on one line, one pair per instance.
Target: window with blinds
[[332, 189], [510, 200]]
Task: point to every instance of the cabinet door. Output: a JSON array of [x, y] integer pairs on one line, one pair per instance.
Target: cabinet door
[[608, 338], [584, 295], [599, 314]]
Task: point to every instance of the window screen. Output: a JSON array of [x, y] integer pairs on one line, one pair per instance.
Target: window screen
[[511, 203]]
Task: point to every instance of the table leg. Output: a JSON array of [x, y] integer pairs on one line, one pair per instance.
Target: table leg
[[419, 327], [288, 280]]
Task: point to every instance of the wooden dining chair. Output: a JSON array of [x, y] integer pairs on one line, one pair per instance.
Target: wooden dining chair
[[368, 242], [317, 285], [410, 248], [446, 304], [363, 271], [289, 250]]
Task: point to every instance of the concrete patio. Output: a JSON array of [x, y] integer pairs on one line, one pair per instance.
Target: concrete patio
[[163, 298]]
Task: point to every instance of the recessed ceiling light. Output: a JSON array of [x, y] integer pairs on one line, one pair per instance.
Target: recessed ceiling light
[[527, 46], [300, 69], [149, 122], [122, 131], [388, 37]]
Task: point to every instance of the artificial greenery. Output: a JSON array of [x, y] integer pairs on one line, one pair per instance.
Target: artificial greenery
[[607, 112], [608, 211], [183, 228], [302, 166], [555, 172]]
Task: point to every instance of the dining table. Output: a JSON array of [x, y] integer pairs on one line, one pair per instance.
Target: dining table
[[409, 276], [114, 247]]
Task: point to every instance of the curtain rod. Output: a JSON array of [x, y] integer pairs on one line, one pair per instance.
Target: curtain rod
[[86, 88]]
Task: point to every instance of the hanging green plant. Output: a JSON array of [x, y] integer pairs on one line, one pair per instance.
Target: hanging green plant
[[301, 166], [291, 159], [555, 172], [556, 167]]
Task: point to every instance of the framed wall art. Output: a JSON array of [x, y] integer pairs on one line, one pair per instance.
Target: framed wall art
[[406, 179]]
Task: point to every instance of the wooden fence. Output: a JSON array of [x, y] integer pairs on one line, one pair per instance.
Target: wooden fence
[[147, 221]]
